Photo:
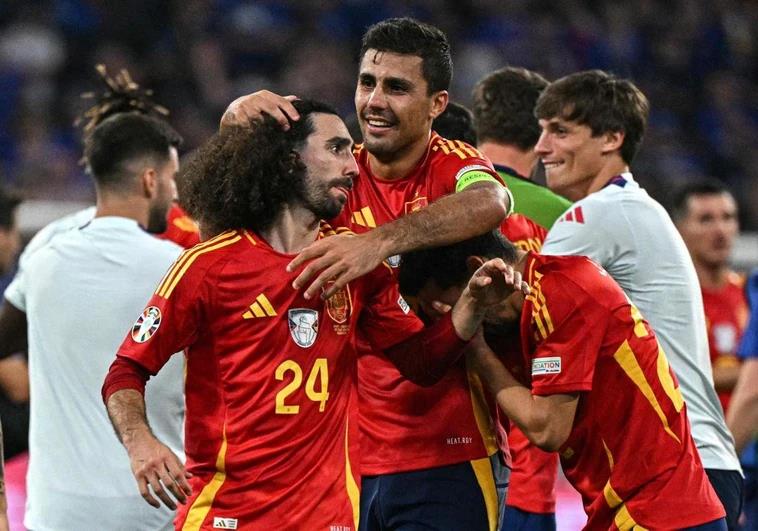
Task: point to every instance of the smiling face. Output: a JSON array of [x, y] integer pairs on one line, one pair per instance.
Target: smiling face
[[331, 166], [709, 228], [574, 159], [395, 110]]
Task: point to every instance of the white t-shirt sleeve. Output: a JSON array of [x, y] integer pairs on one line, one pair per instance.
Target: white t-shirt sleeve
[[15, 293], [581, 233]]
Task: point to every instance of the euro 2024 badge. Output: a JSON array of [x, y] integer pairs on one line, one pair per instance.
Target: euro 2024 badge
[[146, 324], [303, 324], [338, 307]]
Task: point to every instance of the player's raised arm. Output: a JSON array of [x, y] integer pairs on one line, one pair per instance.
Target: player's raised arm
[[478, 208], [153, 463]]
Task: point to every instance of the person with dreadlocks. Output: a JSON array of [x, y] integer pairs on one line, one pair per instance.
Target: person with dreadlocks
[[76, 295]]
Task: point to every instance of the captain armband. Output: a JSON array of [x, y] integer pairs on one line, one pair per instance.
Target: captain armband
[[476, 176]]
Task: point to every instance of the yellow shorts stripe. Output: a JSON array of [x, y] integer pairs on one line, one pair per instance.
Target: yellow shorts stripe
[[486, 479]]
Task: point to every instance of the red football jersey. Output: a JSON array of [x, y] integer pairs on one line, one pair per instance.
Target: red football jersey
[[403, 426], [181, 229], [726, 315], [270, 383], [630, 453], [523, 232], [533, 471]]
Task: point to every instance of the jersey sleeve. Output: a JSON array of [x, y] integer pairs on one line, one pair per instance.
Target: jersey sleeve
[[387, 318], [571, 328], [749, 346], [582, 231], [171, 318], [458, 165]]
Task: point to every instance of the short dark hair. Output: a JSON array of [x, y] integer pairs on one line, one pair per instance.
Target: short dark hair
[[123, 138], [601, 101], [242, 176], [408, 36], [446, 266], [681, 196], [9, 201], [503, 107], [456, 123]]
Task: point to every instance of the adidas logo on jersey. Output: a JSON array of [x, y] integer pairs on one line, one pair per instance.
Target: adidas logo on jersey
[[574, 215], [260, 308], [224, 523], [364, 218]]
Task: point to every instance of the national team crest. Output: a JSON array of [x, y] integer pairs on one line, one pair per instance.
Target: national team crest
[[303, 326], [338, 307], [146, 324], [416, 204]]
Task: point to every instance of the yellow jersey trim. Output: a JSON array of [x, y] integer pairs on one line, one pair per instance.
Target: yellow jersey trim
[[486, 479], [353, 492], [202, 504]]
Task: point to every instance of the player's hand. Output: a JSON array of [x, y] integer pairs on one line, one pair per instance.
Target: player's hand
[[251, 107], [494, 281], [342, 258], [156, 467]]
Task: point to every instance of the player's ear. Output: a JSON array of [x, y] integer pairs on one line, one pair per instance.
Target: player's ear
[[439, 103], [613, 141], [473, 263], [149, 182]]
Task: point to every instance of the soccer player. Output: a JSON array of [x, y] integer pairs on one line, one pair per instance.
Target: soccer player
[[270, 374], [592, 126], [507, 131], [417, 466], [595, 386], [706, 215], [77, 294]]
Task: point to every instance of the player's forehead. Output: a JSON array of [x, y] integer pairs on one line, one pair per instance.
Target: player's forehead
[[327, 126], [387, 65], [553, 122]]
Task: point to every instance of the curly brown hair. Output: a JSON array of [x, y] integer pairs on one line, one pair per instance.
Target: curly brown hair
[[244, 175], [504, 107]]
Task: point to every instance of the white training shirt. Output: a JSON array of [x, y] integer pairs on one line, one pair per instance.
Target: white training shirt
[[633, 238], [83, 291]]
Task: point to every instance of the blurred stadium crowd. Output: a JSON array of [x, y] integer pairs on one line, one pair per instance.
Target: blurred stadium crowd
[[696, 60]]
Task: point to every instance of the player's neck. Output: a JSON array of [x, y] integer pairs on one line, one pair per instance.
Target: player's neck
[[292, 231], [615, 165], [400, 164], [511, 156], [123, 207], [712, 276]]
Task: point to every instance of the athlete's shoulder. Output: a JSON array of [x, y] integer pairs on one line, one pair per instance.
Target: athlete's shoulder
[[457, 154], [193, 264], [572, 276]]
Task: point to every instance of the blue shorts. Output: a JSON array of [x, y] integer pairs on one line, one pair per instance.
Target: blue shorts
[[514, 519], [728, 485], [453, 497], [716, 525]]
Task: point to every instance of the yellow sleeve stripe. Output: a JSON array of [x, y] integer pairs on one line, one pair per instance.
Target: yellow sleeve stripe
[[202, 504], [187, 259], [664, 375], [625, 357], [609, 455], [471, 152], [611, 496], [249, 237]]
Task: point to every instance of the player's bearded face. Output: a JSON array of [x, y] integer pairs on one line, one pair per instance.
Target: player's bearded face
[[331, 167], [394, 108], [165, 195]]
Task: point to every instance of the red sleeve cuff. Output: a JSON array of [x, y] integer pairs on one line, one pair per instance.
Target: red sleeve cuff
[[424, 357], [124, 373]]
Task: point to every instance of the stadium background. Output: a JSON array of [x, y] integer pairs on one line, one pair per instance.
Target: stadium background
[[696, 60]]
